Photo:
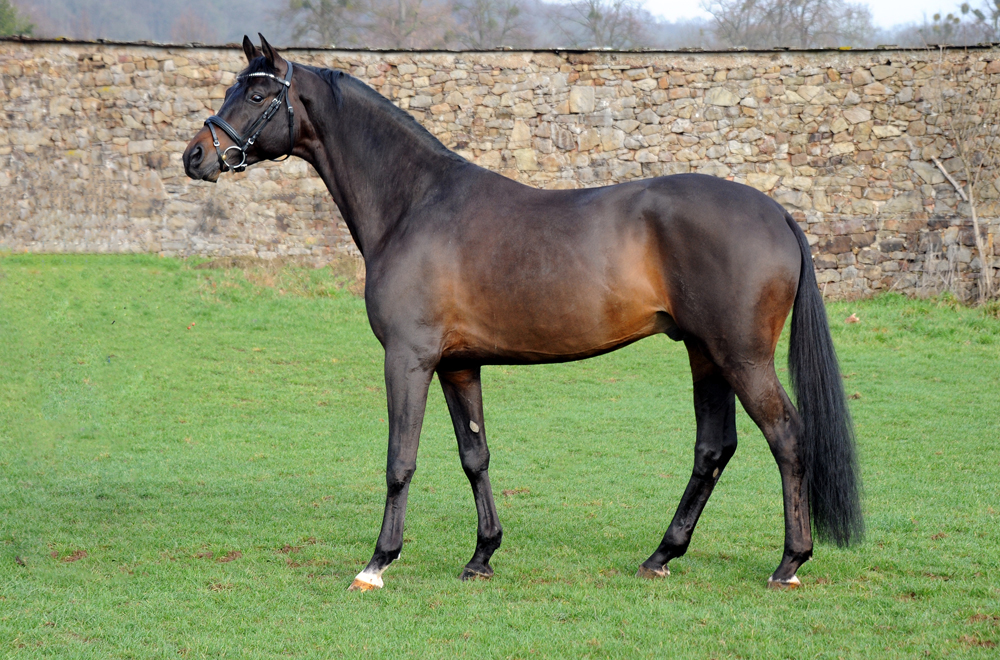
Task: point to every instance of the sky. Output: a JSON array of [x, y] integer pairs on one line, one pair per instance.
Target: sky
[[886, 13]]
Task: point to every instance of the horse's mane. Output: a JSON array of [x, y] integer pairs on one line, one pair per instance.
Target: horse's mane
[[335, 79]]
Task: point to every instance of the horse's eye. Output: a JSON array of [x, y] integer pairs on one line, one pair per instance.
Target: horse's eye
[[256, 98]]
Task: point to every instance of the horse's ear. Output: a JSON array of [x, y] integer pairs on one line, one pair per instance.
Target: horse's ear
[[249, 49], [270, 54]]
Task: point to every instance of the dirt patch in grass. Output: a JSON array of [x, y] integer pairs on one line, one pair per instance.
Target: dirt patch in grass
[[981, 618], [76, 555], [230, 556], [975, 640], [511, 492]]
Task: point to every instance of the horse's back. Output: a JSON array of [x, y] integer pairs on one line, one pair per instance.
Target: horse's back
[[700, 242]]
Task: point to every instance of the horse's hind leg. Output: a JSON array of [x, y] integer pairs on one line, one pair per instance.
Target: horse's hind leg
[[715, 411], [768, 405], [464, 394]]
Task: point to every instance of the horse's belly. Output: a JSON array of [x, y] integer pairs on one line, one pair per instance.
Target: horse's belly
[[553, 333], [553, 303]]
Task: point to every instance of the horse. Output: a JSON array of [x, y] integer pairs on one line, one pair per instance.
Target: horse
[[467, 268]]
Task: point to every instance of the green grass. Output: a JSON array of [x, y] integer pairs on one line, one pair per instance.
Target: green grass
[[160, 418]]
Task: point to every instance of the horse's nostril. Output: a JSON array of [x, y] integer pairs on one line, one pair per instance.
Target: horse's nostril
[[196, 155]]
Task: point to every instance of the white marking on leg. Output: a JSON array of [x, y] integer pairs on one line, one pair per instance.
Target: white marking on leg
[[368, 577], [473, 426], [715, 474]]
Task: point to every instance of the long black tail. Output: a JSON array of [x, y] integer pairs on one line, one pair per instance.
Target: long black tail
[[827, 442]]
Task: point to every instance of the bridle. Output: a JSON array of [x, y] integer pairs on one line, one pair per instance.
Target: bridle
[[258, 126]]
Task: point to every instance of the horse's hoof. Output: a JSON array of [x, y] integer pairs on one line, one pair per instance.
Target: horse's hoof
[[366, 582], [651, 573], [784, 585], [475, 574]]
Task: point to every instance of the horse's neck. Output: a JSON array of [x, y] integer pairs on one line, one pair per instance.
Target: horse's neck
[[375, 187]]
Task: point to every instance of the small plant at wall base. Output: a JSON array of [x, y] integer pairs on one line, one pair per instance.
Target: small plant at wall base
[[968, 117], [11, 21]]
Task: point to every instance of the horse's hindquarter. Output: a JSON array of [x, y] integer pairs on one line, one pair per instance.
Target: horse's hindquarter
[[733, 263]]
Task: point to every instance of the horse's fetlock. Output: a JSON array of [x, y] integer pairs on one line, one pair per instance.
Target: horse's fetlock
[[800, 555], [383, 557], [675, 542], [489, 543]]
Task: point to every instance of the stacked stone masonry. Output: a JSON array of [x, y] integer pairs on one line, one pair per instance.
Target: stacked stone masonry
[[91, 138]]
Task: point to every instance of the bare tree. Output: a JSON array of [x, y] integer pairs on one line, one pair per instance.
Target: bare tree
[[795, 23], [324, 22], [944, 29], [986, 18], [368, 23], [967, 25], [602, 23], [406, 23], [484, 24], [854, 26], [737, 22], [190, 27], [968, 117]]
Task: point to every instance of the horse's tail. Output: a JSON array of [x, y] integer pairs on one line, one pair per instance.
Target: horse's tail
[[827, 440]]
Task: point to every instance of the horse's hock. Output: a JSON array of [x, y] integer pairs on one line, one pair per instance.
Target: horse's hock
[[851, 142]]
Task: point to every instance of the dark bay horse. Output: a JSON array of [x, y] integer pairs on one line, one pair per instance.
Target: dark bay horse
[[466, 267]]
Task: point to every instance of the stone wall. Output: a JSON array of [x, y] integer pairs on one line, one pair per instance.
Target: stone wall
[[91, 138]]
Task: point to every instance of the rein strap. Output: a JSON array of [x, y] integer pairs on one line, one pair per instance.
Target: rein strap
[[255, 128]]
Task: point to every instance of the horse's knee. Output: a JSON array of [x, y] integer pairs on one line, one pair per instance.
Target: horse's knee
[[475, 463], [711, 457], [707, 458], [397, 477]]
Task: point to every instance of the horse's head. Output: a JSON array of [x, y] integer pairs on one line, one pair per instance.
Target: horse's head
[[256, 121]]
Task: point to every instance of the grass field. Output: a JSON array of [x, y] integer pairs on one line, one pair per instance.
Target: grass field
[[191, 465]]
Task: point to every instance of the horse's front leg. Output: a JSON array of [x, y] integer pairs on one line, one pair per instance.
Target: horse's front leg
[[407, 378], [464, 393]]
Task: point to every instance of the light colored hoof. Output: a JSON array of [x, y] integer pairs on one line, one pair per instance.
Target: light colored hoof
[[366, 582], [650, 574], [784, 585]]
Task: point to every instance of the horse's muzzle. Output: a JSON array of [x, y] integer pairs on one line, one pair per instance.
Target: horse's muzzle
[[197, 163]]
